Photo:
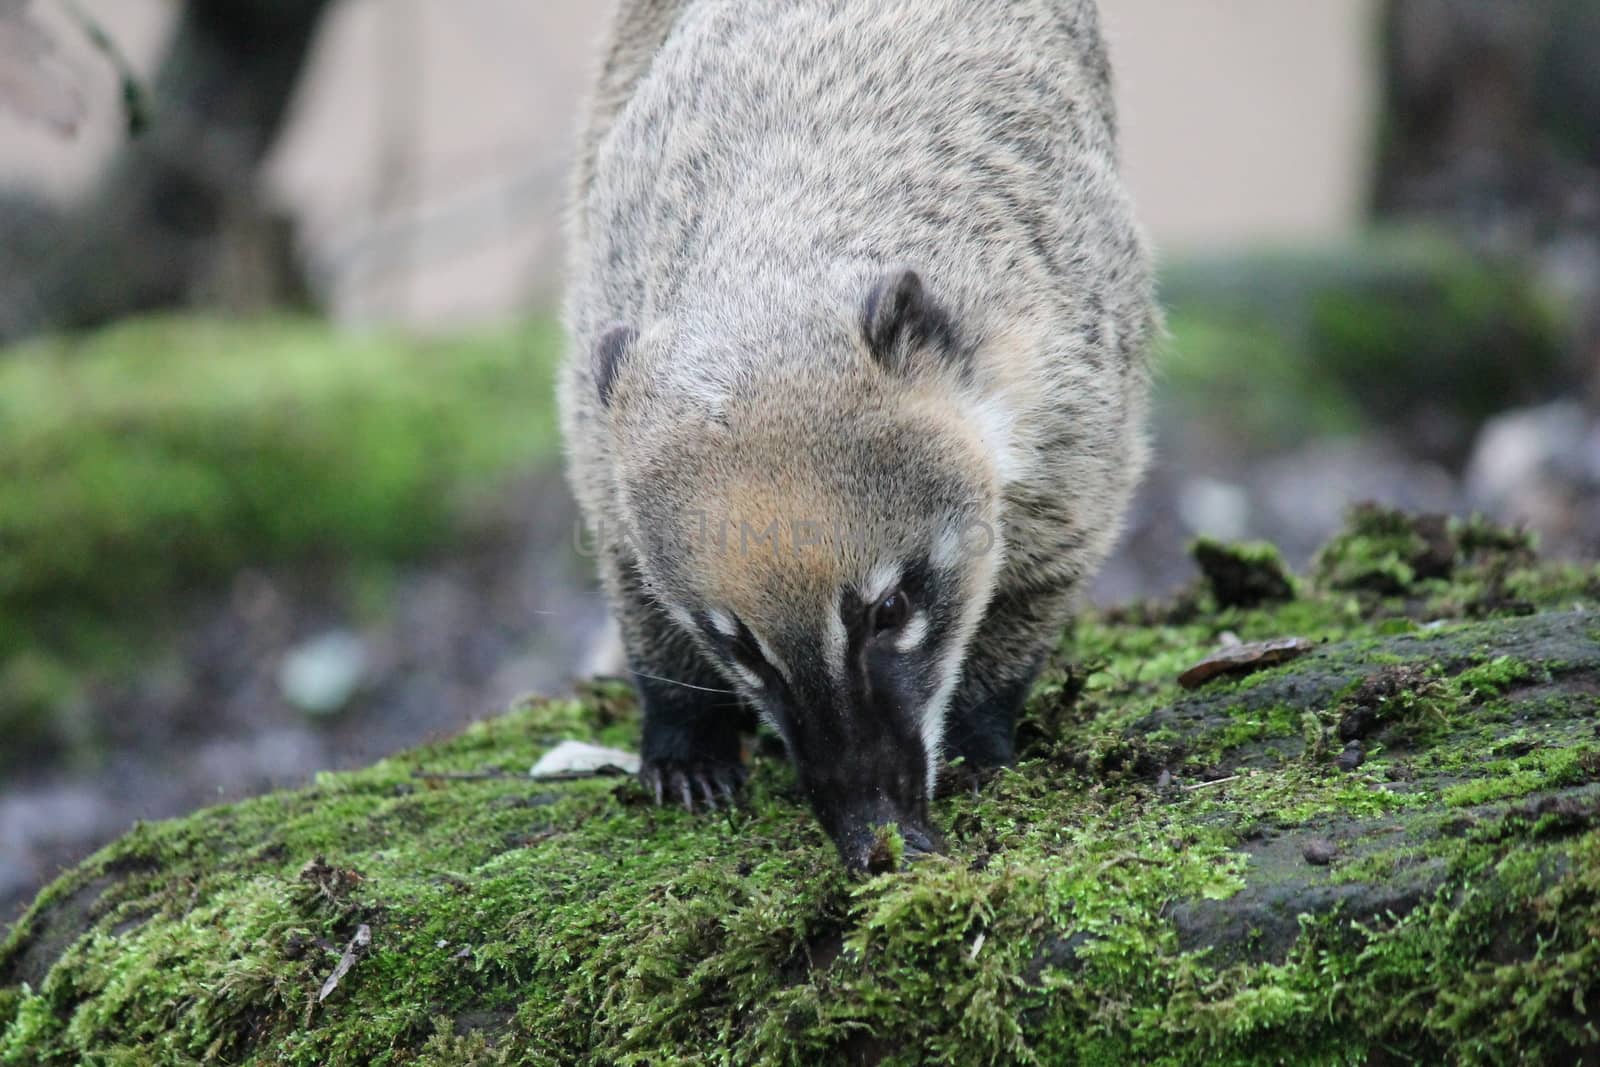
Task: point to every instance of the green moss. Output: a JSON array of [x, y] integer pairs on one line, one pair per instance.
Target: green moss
[[1437, 323], [1214, 356], [1133, 891], [1495, 676], [34, 688], [1386, 551], [145, 460], [1536, 772], [1248, 726]]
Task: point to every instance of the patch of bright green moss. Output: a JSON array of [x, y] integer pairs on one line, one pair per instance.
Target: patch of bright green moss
[[1537, 771], [145, 460]]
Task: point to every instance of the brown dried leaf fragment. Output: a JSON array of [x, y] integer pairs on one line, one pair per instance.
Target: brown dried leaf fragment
[[1245, 659]]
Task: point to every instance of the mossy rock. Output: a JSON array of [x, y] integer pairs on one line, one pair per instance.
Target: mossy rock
[[1242, 575], [1166, 877]]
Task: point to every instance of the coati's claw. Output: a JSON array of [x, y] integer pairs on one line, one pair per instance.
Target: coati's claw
[[729, 781], [695, 786]]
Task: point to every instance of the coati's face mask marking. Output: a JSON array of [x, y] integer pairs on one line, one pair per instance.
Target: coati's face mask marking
[[852, 663]]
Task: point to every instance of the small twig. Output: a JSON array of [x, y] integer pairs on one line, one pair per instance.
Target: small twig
[[1214, 781], [606, 770], [977, 946], [462, 776], [1126, 857]]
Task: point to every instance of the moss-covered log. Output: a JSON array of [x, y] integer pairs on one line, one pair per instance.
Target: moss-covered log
[[1385, 851]]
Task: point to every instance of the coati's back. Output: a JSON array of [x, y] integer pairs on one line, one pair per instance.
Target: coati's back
[[785, 136], [878, 250]]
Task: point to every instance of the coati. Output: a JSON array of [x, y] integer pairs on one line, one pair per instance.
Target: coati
[[859, 313]]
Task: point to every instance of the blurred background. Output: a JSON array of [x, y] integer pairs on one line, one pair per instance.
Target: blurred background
[[279, 484]]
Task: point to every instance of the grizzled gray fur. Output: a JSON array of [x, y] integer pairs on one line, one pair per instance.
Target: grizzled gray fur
[[859, 315]]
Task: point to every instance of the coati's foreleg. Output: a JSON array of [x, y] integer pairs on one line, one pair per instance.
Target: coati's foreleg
[[692, 718], [1003, 662]]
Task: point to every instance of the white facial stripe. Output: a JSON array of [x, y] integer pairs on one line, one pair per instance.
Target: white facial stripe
[[915, 632], [682, 617], [771, 656], [933, 716], [771, 721], [935, 711], [724, 624], [837, 642], [747, 676], [881, 581]]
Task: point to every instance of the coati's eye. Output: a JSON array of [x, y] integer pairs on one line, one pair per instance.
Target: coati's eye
[[891, 612]]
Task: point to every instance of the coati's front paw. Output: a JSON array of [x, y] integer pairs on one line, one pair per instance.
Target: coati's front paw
[[710, 783], [962, 778]]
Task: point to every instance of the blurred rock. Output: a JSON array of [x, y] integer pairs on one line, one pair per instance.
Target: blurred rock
[[1213, 508], [321, 675], [262, 761], [1305, 493], [606, 655], [1541, 466], [32, 824]]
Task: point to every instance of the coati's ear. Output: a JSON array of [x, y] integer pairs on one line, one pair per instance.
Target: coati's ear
[[900, 318], [609, 352]]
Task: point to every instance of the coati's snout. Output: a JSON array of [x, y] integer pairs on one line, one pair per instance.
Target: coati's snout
[[863, 849], [864, 764], [859, 828]]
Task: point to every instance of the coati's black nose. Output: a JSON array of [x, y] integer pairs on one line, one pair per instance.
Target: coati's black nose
[[871, 849]]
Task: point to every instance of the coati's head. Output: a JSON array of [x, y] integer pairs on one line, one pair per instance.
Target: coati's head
[[827, 529]]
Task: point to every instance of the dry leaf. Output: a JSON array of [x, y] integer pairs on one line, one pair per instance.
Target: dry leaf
[[352, 952], [1244, 659]]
